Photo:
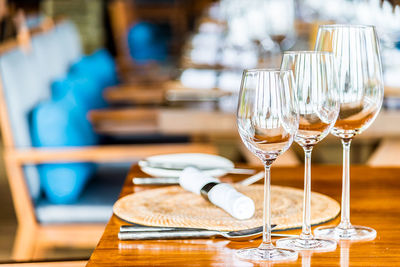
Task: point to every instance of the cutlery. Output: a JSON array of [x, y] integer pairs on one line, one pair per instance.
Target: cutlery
[[184, 233], [175, 180], [143, 228], [155, 180], [252, 179], [176, 166]]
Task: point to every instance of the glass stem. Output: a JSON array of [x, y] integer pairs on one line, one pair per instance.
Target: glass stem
[[266, 242], [345, 215], [306, 228]]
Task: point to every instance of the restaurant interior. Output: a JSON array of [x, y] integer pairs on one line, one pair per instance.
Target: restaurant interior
[[107, 106]]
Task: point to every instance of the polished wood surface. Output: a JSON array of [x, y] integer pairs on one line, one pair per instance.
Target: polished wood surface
[[375, 202]]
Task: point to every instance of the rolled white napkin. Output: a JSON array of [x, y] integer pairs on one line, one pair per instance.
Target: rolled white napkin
[[222, 195]]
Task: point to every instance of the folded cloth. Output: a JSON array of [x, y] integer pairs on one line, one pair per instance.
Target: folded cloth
[[220, 194]]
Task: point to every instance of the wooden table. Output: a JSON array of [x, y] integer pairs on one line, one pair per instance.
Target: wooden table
[[375, 202], [189, 121]]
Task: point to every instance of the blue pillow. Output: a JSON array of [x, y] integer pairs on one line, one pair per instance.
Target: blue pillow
[[146, 44], [55, 123], [99, 66], [58, 123], [85, 91]]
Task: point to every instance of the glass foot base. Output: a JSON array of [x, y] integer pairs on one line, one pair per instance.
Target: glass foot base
[[272, 254], [354, 233], [314, 244]]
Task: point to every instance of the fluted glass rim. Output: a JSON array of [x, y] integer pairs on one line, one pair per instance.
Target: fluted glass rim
[[360, 26]]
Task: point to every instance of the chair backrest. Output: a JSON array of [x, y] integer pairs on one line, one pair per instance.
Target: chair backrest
[[23, 89], [122, 15], [26, 77], [69, 41]]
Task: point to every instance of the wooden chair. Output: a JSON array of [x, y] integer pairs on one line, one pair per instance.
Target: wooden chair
[[35, 235], [121, 17]]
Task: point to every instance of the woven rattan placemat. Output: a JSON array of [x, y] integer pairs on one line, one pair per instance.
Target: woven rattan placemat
[[173, 206]]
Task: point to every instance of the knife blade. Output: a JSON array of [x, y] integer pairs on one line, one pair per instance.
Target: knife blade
[[176, 166]]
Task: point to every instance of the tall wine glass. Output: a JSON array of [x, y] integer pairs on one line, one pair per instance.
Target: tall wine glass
[[267, 120], [318, 102], [359, 68]]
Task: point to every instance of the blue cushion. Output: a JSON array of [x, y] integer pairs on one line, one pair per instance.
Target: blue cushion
[[60, 123], [146, 44], [99, 66], [86, 92], [56, 123]]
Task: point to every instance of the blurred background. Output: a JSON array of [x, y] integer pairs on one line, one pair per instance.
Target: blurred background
[[91, 86]]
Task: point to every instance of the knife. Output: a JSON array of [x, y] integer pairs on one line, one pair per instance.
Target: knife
[[155, 180], [131, 232], [176, 166], [175, 180]]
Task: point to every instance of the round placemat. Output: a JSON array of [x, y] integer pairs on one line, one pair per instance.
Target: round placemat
[[175, 207]]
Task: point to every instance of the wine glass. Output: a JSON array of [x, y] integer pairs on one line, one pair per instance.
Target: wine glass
[[359, 68], [267, 120], [318, 102]]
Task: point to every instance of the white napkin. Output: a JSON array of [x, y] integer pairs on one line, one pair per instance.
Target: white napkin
[[222, 195]]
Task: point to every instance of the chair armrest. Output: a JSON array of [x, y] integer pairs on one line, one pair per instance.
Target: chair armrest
[[102, 153]]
